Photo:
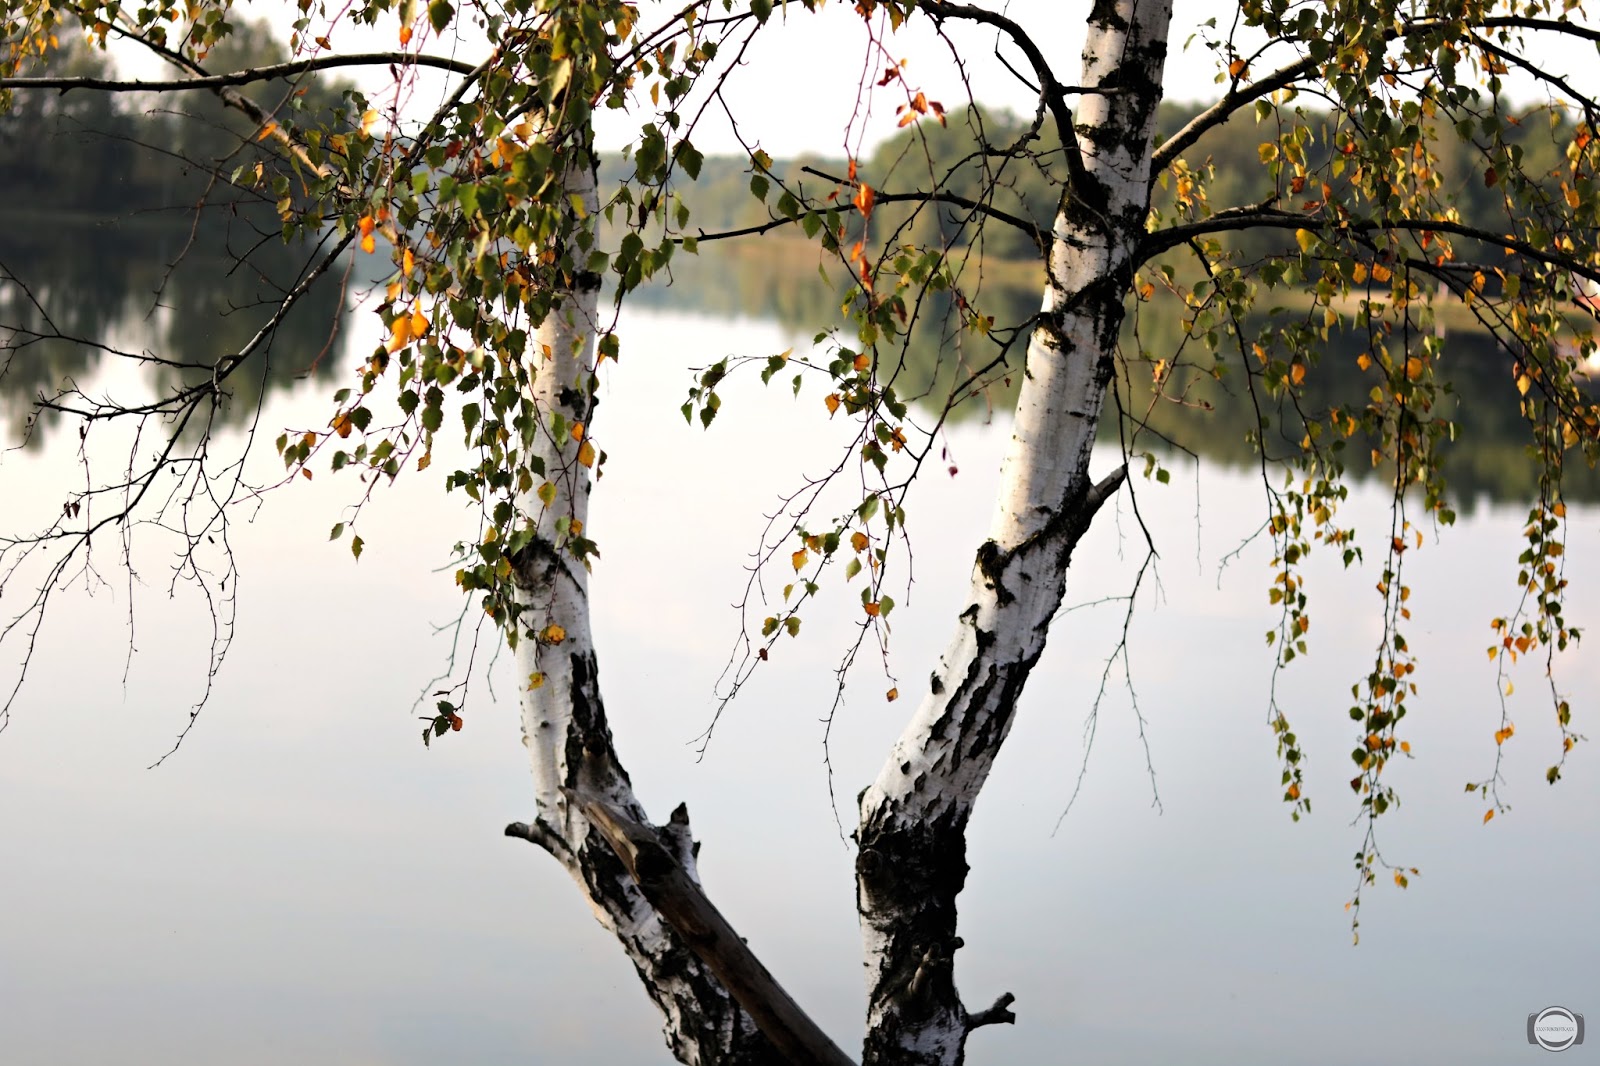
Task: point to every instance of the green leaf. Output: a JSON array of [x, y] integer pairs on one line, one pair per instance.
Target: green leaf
[[440, 13], [792, 624], [356, 545], [338, 531], [689, 158]]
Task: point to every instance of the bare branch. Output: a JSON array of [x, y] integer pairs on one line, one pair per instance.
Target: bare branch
[[243, 77]]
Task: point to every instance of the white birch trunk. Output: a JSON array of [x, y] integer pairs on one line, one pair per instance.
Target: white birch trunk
[[912, 836], [563, 720]]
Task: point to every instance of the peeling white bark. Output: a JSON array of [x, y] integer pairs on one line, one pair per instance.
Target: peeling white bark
[[911, 862]]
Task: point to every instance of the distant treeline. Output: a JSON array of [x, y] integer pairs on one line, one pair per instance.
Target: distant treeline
[[1227, 163]]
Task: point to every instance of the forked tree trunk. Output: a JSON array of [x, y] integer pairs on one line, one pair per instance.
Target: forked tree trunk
[[911, 862], [912, 837]]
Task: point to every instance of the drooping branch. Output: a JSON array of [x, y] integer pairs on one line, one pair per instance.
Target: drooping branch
[[246, 76]]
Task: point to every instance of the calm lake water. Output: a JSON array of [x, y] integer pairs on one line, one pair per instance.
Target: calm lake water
[[304, 882]]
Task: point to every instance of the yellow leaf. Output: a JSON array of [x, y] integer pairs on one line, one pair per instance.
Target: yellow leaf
[[799, 559], [419, 323], [399, 333], [1381, 272], [553, 634], [425, 461], [1486, 816], [368, 119], [1359, 274], [1306, 239], [547, 493], [535, 680], [832, 400], [859, 541], [586, 454], [1503, 735], [1572, 199], [1524, 383], [408, 261]]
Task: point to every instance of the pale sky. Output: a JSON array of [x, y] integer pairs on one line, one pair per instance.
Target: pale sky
[[796, 89]]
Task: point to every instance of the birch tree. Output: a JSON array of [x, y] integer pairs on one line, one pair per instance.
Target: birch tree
[[494, 322]]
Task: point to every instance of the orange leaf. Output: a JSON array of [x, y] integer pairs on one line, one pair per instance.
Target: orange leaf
[[832, 400], [266, 131], [859, 541], [553, 634], [1297, 373], [405, 36], [862, 362], [577, 431], [893, 694], [1487, 815], [864, 199], [586, 454], [872, 609], [799, 559]]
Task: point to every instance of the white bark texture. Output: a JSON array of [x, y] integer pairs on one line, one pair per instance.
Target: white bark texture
[[912, 836], [564, 722]]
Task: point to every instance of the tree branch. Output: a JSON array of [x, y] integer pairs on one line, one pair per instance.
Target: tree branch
[[1221, 111], [998, 1014], [975, 206], [242, 77], [1160, 241], [1051, 90], [681, 902]]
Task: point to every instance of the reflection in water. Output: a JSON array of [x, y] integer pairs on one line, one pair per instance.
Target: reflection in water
[[63, 313], [779, 278]]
